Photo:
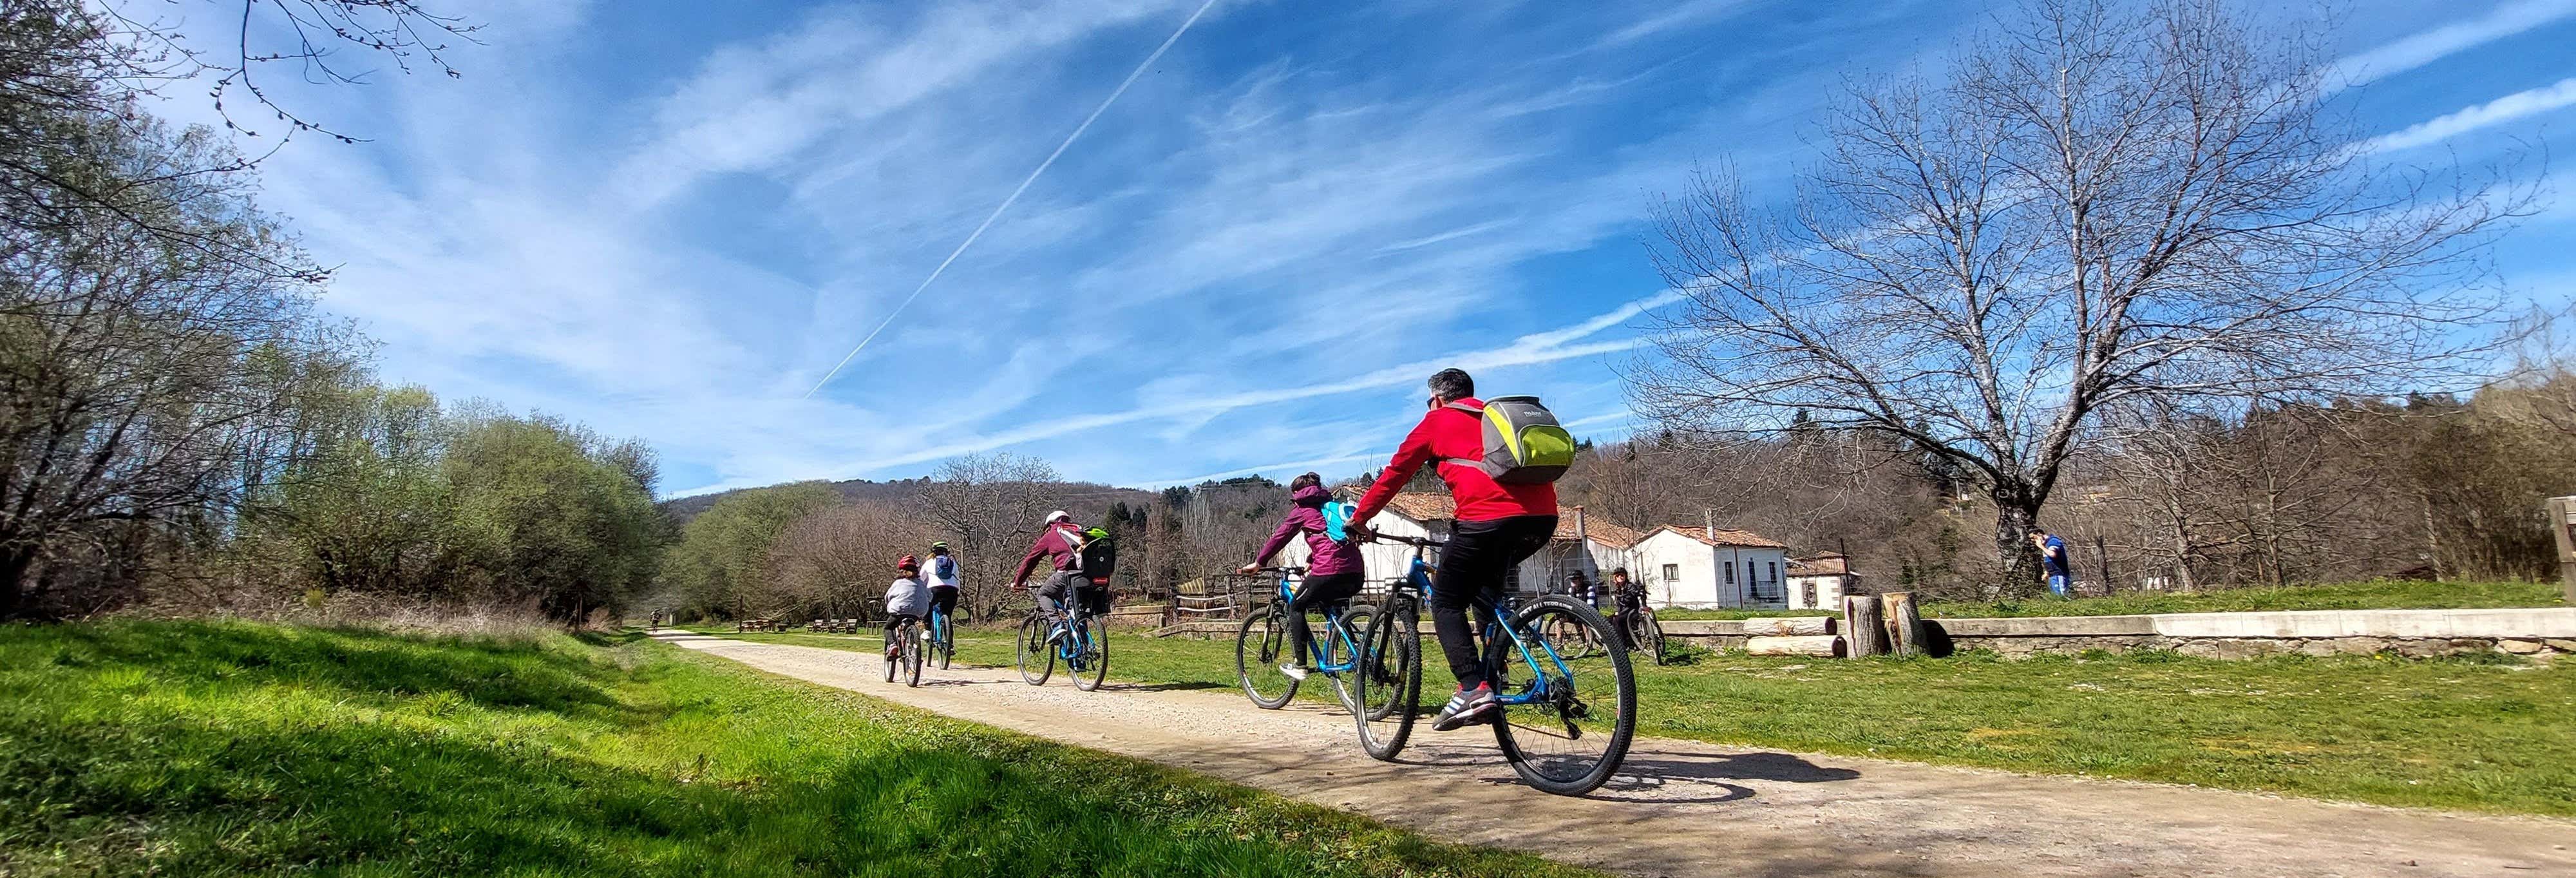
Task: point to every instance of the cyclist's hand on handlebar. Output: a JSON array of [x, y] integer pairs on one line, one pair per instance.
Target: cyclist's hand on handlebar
[[1358, 533], [1022, 585], [1248, 569]]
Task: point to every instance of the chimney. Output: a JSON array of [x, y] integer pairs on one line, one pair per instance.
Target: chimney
[[1580, 534], [1708, 522]]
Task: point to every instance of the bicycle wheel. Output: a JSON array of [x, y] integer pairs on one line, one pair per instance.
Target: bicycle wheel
[[913, 644], [1649, 635], [1389, 678], [1258, 644], [1571, 639], [1336, 645], [1090, 660], [892, 658], [1572, 738], [1037, 656], [945, 644]]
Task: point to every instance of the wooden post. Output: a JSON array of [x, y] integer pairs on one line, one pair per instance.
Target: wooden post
[[2562, 522], [1861, 626], [1904, 623]]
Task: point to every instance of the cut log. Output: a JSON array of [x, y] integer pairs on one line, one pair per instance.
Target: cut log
[[1789, 626], [1904, 623], [1821, 645], [1861, 626]]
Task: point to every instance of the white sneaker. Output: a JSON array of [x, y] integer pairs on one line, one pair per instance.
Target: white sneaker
[[1294, 672]]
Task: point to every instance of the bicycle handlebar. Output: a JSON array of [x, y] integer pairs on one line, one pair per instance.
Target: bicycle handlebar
[[1288, 570]]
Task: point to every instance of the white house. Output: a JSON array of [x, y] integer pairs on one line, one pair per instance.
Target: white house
[[1819, 583], [1701, 567]]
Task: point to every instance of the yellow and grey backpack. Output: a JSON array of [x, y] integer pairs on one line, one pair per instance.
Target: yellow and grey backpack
[[1523, 443]]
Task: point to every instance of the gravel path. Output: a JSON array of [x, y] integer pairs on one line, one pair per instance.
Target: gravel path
[[1688, 808]]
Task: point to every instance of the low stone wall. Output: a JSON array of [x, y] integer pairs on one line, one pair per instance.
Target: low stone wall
[[2539, 632]]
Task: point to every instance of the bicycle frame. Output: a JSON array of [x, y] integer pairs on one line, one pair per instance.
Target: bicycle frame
[[1077, 637], [1419, 578], [1332, 626]]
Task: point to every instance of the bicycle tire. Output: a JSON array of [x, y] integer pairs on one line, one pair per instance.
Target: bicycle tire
[[912, 657], [1571, 639], [1091, 640], [1650, 636], [946, 646], [1330, 650], [1258, 643], [1389, 678], [890, 659], [1521, 729], [1035, 650]]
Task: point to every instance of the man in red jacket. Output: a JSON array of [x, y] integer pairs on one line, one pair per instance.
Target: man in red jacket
[[1498, 526]]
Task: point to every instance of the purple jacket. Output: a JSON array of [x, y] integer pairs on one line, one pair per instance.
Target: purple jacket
[[1326, 556]]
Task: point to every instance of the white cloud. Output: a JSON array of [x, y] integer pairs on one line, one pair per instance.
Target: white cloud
[[2504, 109], [2414, 51]]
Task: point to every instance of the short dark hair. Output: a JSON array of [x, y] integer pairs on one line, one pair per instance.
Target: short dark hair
[[1618, 571], [1309, 480], [1452, 384]]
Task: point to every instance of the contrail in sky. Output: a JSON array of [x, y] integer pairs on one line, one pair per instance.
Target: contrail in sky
[[1015, 194]]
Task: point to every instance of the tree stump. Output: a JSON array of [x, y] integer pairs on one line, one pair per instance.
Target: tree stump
[[1904, 623], [1819, 645], [1861, 626]]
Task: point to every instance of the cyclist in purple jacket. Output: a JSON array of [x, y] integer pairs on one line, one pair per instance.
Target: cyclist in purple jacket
[[1333, 567]]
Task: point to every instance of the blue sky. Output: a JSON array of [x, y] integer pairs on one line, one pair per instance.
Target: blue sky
[[669, 219]]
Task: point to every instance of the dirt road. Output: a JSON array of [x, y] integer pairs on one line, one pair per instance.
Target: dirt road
[[1686, 808]]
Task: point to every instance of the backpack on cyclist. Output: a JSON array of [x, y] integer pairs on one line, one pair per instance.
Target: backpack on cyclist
[[1337, 520], [1098, 556], [1524, 445], [944, 567]]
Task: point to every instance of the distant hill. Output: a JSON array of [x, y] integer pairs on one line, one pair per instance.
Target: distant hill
[[1086, 500]]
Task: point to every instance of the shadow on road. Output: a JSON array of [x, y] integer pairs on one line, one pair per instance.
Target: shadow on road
[[1164, 687], [1695, 778]]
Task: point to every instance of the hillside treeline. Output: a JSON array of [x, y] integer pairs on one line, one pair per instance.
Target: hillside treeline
[[2430, 486], [183, 427]]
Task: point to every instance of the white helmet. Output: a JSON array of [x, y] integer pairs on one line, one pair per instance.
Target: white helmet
[[1056, 516]]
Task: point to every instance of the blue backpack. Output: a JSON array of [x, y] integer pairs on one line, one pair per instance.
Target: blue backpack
[[1337, 516]]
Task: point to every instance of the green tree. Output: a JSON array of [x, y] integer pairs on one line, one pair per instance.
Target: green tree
[[724, 553]]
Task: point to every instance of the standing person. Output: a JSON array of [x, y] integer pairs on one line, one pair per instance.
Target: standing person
[[1333, 566], [2052, 560], [906, 598], [942, 576], [1060, 541], [1498, 525]]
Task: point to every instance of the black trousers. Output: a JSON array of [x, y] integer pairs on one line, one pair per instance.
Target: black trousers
[[1472, 571], [1316, 593], [943, 599]]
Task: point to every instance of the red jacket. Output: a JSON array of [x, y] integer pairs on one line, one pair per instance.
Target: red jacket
[[1445, 436]]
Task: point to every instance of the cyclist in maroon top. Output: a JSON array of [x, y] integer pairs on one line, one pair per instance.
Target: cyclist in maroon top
[[1497, 527]]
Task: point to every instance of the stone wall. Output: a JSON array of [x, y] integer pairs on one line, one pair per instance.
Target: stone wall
[[2537, 633]]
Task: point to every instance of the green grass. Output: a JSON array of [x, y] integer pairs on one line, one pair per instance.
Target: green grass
[[2378, 594], [2482, 734], [209, 749]]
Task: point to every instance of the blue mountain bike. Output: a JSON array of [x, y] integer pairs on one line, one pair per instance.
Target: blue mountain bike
[[1565, 722], [943, 637], [1263, 640], [1080, 642]]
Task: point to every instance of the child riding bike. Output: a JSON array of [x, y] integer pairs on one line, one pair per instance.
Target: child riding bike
[[1333, 565], [942, 577], [1498, 525], [906, 599]]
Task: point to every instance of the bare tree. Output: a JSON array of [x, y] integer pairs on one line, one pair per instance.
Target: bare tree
[[989, 506], [2098, 203], [837, 560]]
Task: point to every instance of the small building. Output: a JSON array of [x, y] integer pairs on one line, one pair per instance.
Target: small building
[[1707, 567], [1819, 582]]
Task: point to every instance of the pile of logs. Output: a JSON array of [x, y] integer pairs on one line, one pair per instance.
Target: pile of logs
[[1883, 624]]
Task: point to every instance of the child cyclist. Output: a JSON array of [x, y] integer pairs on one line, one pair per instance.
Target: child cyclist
[[1333, 566], [907, 598], [941, 575]]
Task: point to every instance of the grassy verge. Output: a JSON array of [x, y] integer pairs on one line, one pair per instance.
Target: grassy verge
[[235, 749], [2380, 594], [2454, 733]]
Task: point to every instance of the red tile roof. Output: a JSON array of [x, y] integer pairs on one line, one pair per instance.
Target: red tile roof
[[1725, 537]]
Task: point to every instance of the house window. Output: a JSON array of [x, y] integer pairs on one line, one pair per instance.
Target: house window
[[1775, 571], [1810, 590], [1672, 573], [1730, 573]]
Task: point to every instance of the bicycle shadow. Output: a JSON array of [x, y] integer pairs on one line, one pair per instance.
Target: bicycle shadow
[[1680, 778], [1164, 687]]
